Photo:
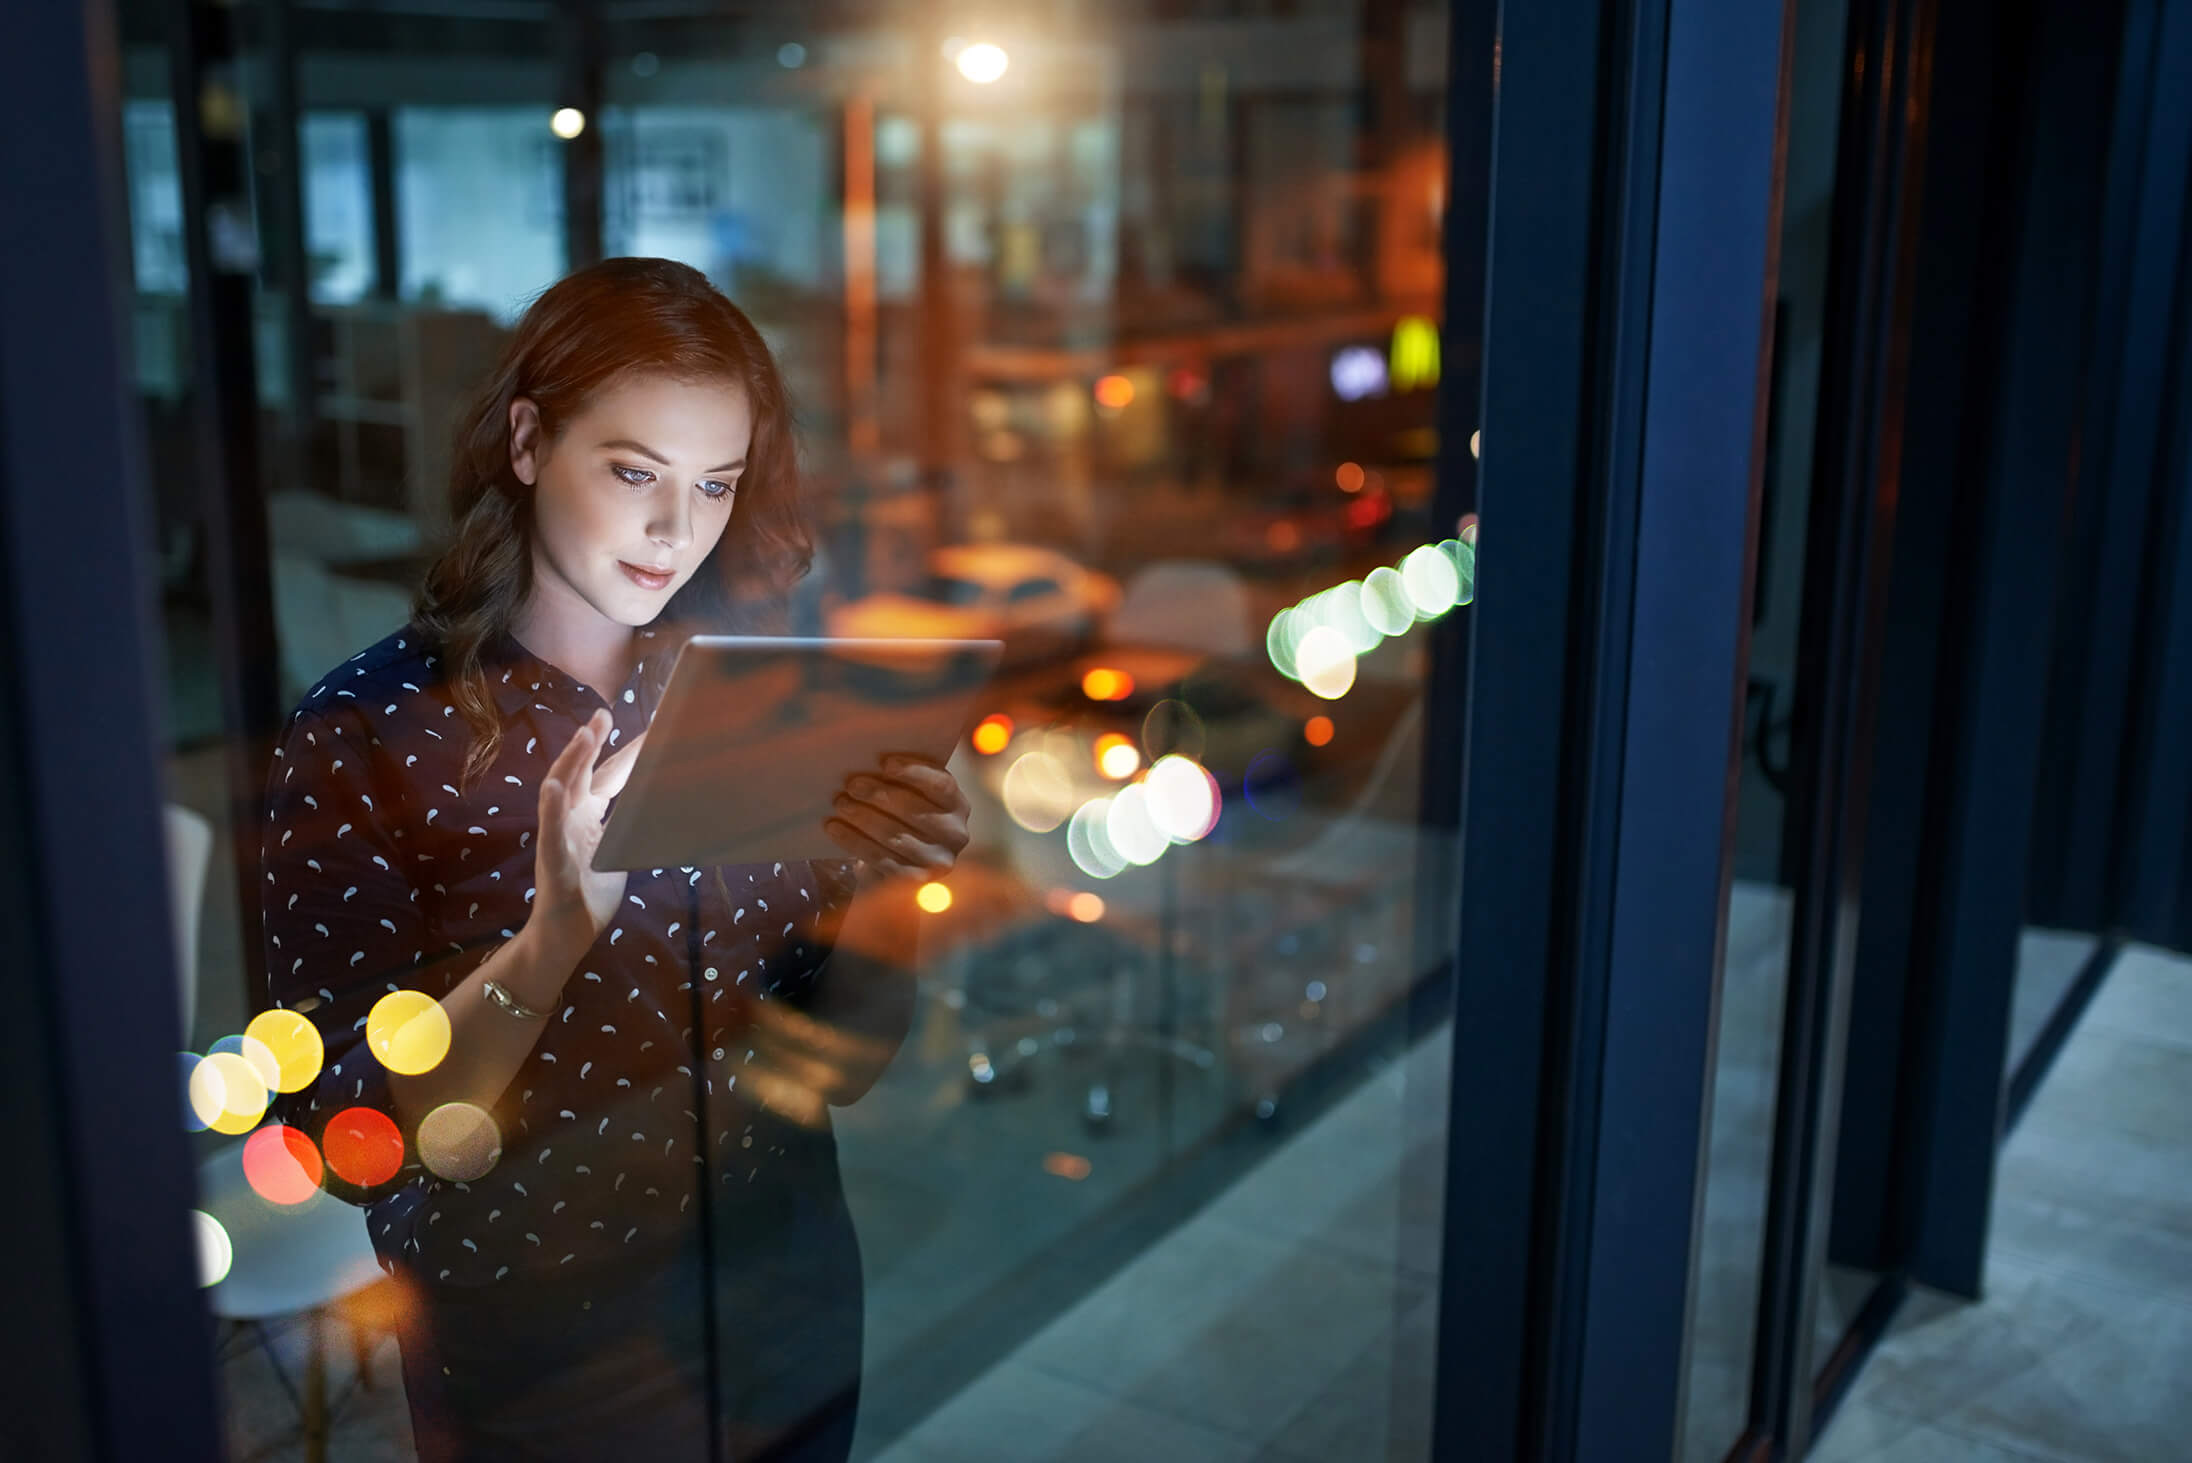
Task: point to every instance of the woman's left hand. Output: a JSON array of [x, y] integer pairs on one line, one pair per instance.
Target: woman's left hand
[[907, 821]]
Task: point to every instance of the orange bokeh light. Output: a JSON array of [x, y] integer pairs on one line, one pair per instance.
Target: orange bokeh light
[[1115, 392], [1317, 730], [1102, 683], [1349, 477], [1066, 1165], [1282, 536], [363, 1146], [992, 734], [281, 1165], [1086, 906]]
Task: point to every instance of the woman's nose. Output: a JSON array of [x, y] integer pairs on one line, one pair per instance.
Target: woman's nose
[[672, 523]]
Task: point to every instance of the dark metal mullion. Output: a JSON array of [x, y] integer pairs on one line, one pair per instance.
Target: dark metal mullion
[[91, 978], [1851, 523], [380, 155], [1538, 342]]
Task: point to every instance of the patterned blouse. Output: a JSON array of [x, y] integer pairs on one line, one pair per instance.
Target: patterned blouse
[[381, 875]]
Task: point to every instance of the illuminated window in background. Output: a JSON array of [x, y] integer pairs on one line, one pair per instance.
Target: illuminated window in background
[[155, 198], [338, 205], [479, 203]]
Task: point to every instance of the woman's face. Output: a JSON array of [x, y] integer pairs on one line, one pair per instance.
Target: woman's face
[[631, 497]]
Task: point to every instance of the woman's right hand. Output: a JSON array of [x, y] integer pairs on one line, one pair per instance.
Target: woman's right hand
[[570, 898]]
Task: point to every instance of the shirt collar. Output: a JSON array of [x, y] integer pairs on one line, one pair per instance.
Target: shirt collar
[[517, 678]]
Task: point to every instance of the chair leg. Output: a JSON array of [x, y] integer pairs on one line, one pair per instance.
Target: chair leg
[[315, 1388]]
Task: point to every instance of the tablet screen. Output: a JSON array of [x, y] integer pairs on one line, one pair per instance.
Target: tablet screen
[[755, 736]]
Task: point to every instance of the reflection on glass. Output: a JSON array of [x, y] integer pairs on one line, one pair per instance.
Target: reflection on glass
[[759, 1140]]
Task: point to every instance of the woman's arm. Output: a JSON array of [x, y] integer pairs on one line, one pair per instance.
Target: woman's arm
[[487, 1045]]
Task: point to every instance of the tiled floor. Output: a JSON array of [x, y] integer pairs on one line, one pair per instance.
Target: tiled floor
[[2082, 1350]]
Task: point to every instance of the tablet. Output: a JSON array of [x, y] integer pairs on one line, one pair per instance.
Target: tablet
[[755, 736]]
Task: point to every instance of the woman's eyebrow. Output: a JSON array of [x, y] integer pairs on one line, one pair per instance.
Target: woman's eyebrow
[[645, 451]]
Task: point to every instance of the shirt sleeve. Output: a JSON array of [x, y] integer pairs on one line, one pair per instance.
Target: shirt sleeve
[[343, 928]]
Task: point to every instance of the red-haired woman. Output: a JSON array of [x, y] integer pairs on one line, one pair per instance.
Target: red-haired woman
[[613, 1201]]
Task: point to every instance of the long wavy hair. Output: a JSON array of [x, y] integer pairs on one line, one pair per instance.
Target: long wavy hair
[[590, 331]]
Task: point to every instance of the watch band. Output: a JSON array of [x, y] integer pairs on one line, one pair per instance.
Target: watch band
[[500, 997]]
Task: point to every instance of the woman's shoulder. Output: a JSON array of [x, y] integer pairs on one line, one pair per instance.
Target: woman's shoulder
[[394, 681]]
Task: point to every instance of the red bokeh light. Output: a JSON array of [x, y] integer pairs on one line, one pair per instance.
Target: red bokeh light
[[363, 1146], [281, 1165]]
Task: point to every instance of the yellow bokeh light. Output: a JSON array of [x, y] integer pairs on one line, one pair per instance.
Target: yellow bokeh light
[[567, 123], [1116, 756], [459, 1141], [242, 1093], [408, 1031], [935, 897], [992, 734], [215, 1252], [206, 1092], [1103, 683], [293, 1043]]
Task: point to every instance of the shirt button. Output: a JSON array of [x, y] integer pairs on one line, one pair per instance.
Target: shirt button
[[709, 973], [719, 1054]]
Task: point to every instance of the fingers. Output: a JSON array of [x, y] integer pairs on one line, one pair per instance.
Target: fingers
[[919, 851], [880, 861], [931, 780], [579, 752]]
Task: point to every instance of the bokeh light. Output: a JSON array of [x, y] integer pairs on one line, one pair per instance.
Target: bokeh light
[[982, 63], [1114, 393], [1088, 841], [1280, 638], [408, 1031], [1038, 792], [1131, 828], [1349, 477], [201, 1092], [1464, 555], [1431, 580], [1183, 798], [934, 896], [1173, 726], [294, 1045], [281, 1165], [363, 1146], [239, 1093], [254, 1051], [992, 734], [1385, 601], [1317, 731], [1066, 1166], [791, 55], [1117, 757], [1326, 662], [215, 1252], [1087, 906], [1104, 683], [567, 123], [459, 1141]]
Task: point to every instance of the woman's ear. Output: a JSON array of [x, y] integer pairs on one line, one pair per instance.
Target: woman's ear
[[525, 439]]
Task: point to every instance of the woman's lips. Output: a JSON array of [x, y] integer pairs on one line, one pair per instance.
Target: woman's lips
[[644, 578]]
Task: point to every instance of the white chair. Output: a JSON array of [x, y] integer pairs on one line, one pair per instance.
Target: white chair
[[286, 1260], [189, 850]]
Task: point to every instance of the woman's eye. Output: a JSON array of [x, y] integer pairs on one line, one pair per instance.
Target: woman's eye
[[716, 489], [637, 477]]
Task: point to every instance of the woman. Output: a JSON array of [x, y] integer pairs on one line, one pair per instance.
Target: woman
[[612, 1199]]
